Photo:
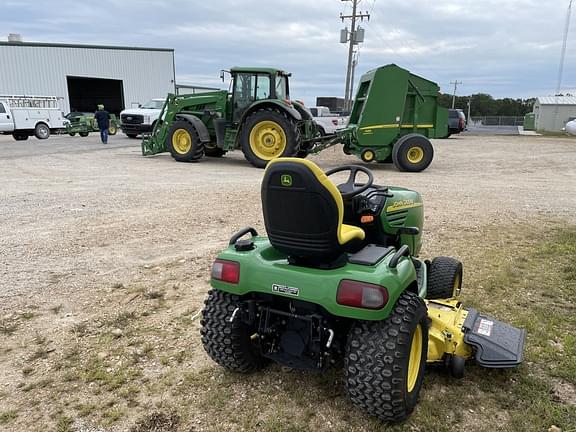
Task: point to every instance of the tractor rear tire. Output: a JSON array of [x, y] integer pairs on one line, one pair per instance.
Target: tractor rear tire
[[42, 131], [444, 278], [267, 135], [385, 360], [183, 142], [228, 343], [413, 153]]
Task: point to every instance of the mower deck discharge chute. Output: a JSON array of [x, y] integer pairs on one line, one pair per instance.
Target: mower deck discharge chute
[[338, 279]]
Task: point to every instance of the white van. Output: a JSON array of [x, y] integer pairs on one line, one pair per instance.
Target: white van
[[24, 116]]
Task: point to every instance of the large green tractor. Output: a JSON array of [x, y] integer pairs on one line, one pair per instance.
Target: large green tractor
[[257, 116], [338, 280]]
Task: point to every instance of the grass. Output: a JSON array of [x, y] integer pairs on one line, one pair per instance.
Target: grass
[[522, 274]]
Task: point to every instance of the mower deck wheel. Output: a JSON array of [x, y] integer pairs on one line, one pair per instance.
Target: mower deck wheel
[[384, 361], [228, 343], [444, 278]]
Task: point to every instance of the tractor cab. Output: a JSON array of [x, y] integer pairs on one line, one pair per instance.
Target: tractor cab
[[255, 84]]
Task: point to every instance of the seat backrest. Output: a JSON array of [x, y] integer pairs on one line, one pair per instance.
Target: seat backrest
[[302, 209]]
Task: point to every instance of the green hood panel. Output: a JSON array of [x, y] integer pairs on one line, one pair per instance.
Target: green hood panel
[[264, 267]]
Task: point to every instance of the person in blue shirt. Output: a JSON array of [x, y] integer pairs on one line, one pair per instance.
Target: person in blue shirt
[[103, 118]]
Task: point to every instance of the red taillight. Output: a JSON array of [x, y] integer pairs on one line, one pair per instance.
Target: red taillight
[[361, 294], [226, 271], [335, 122]]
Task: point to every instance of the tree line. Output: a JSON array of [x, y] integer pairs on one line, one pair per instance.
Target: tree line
[[485, 105]]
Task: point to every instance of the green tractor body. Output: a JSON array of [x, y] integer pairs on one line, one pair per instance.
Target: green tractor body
[[338, 280], [394, 115], [257, 117], [82, 124]]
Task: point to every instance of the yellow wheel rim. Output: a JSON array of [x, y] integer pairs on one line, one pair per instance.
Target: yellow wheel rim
[[267, 140], [112, 130], [415, 358], [368, 156], [181, 141], [415, 155], [456, 285]]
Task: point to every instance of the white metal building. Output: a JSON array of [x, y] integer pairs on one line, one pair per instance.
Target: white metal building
[[87, 75], [553, 112]]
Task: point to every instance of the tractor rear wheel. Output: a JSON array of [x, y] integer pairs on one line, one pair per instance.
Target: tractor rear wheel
[[183, 142], [268, 135], [385, 360], [412, 152], [228, 343], [444, 278]]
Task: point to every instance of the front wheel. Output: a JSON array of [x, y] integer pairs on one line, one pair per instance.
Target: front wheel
[[42, 131], [131, 135], [83, 134], [267, 135], [444, 278], [412, 152], [385, 360], [112, 130], [183, 142], [228, 343]]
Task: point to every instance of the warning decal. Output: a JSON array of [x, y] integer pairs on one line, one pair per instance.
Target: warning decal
[[484, 327]]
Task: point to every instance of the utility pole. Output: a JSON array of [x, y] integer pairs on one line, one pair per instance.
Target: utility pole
[[468, 116], [456, 84], [354, 36]]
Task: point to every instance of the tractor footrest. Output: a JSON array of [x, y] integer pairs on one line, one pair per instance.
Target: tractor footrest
[[498, 345]]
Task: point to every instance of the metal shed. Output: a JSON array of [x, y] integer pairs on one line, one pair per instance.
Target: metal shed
[[86, 75], [553, 112]]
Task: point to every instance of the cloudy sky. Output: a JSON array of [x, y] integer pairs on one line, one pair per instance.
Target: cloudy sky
[[507, 49]]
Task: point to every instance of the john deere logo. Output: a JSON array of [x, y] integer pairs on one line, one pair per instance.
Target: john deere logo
[[286, 180]]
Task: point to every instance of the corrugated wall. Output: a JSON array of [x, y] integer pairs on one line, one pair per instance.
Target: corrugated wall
[[42, 70], [553, 118]]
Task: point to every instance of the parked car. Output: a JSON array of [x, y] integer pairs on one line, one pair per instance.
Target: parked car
[[136, 121], [327, 121], [571, 127], [456, 121]]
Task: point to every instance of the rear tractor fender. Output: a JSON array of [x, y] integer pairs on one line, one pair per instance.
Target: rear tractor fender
[[276, 105], [198, 125]]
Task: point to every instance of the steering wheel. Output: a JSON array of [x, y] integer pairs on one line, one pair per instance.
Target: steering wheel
[[350, 188]]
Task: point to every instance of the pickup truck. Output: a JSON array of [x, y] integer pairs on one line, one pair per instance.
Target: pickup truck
[[571, 127], [136, 121], [456, 121], [24, 116], [327, 121]]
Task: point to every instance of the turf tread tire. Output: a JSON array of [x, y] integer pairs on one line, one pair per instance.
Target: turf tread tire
[[228, 343], [289, 126], [376, 360], [441, 276]]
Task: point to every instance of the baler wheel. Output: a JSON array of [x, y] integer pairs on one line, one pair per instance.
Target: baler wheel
[[412, 152]]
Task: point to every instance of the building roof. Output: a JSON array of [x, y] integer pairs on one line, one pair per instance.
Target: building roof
[[65, 45], [556, 100]]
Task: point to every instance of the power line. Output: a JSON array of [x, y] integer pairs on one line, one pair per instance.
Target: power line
[[354, 37], [456, 84]]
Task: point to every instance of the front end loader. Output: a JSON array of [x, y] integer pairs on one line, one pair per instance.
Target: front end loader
[[337, 281], [257, 116]]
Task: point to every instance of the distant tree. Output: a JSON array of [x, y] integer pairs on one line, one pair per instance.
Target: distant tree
[[485, 105]]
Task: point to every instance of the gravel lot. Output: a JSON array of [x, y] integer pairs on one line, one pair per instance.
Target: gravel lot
[[80, 219], [75, 211]]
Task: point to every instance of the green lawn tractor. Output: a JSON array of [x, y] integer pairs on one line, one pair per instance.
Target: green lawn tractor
[[84, 123], [257, 117], [338, 280]]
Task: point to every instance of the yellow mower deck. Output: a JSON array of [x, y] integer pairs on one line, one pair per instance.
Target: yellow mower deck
[[457, 334]]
